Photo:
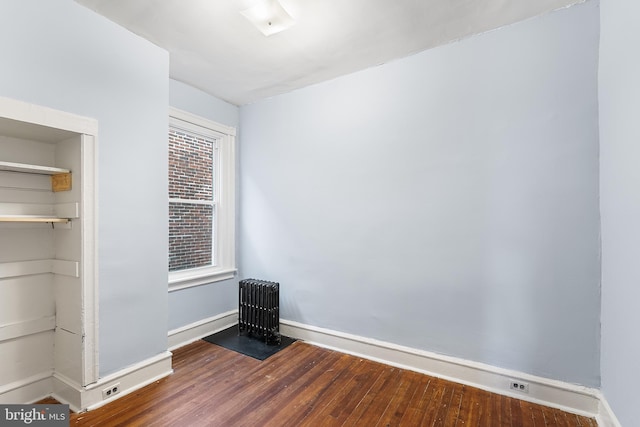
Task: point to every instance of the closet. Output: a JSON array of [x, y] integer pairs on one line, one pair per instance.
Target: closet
[[48, 280]]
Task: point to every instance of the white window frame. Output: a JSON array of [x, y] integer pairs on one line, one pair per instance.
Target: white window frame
[[224, 193]]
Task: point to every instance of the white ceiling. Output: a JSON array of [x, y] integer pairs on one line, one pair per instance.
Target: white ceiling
[[216, 49]]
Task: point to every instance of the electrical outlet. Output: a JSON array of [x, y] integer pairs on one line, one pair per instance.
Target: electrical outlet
[[519, 385], [108, 392]]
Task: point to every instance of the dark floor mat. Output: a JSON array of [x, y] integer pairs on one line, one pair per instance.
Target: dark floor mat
[[247, 345]]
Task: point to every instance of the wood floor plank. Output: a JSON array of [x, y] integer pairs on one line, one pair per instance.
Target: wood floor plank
[[500, 410], [572, 420], [378, 400], [297, 409], [445, 406], [586, 422], [204, 390], [515, 412], [470, 409], [249, 394], [549, 416], [218, 368], [400, 401], [363, 385], [324, 392], [486, 418], [464, 406], [538, 415], [431, 410], [387, 377], [290, 390], [304, 385], [454, 410], [336, 412], [317, 415], [560, 418], [419, 401], [290, 395], [505, 412]]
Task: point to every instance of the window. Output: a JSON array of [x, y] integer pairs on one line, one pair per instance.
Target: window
[[201, 201]]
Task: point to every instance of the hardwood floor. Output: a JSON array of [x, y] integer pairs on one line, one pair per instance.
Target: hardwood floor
[[304, 385]]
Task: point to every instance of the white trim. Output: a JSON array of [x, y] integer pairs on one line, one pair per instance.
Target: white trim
[[197, 277], [67, 210], [606, 417], [35, 114], [29, 168], [130, 379], [89, 273], [65, 268], [224, 203], [187, 334], [60, 210], [557, 394], [27, 327], [42, 266], [186, 119], [27, 390]]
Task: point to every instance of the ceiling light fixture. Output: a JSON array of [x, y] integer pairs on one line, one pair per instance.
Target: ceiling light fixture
[[269, 17]]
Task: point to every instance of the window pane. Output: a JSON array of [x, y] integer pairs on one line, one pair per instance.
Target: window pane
[[190, 166], [190, 236]]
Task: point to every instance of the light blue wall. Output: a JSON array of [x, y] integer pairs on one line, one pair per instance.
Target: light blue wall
[[620, 205], [447, 201], [61, 55], [194, 304], [188, 98]]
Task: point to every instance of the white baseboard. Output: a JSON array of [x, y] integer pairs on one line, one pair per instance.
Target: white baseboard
[[187, 334], [27, 390], [606, 417], [568, 397], [129, 379]]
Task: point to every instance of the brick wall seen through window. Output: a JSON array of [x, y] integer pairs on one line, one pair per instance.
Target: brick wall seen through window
[[191, 194]]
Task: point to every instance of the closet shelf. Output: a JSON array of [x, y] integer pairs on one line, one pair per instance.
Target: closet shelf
[[32, 218], [28, 168]]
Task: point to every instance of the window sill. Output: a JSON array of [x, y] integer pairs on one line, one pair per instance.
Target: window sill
[[198, 277]]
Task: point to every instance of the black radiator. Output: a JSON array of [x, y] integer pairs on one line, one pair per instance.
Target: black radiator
[[259, 310]]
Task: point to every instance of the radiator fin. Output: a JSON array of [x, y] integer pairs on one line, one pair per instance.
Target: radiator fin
[[259, 310]]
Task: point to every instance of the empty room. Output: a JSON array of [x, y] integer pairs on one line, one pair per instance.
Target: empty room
[[435, 199]]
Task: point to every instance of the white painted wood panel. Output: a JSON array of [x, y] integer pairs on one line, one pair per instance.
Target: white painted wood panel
[[25, 268], [68, 303], [18, 150], [26, 297], [24, 357], [30, 389], [25, 181], [42, 266], [22, 195], [26, 209], [67, 210], [67, 354], [68, 240], [65, 240], [30, 168], [67, 268], [28, 242], [28, 327]]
